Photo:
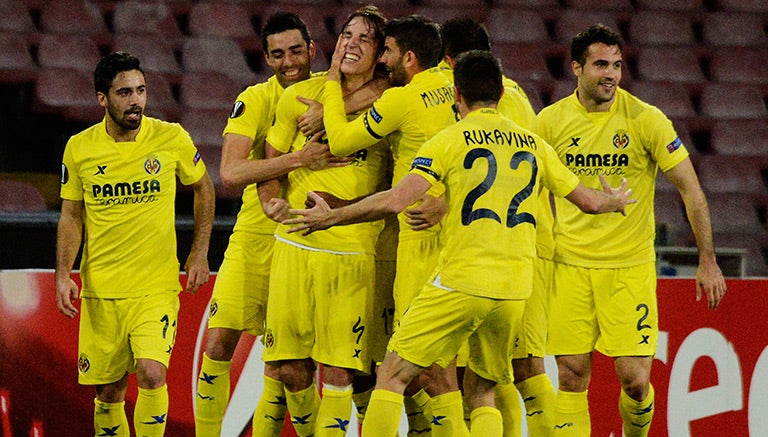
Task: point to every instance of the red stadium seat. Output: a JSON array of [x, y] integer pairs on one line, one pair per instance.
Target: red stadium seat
[[660, 28], [223, 20], [206, 125], [523, 63], [517, 27], [573, 22], [18, 196], [74, 17], [212, 159], [756, 245], [154, 51], [727, 29], [16, 19], [741, 65], [208, 90], [160, 101], [600, 5], [666, 5], [441, 14], [744, 5], [77, 52], [216, 55], [728, 101], [147, 17], [506, 5], [672, 98], [675, 64], [69, 93], [670, 219], [740, 137], [720, 174], [16, 64], [733, 213]]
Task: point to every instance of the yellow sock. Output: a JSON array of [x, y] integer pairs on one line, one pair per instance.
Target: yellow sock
[[448, 415], [416, 410], [334, 412], [269, 417], [572, 414], [384, 413], [540, 400], [508, 404], [360, 401], [151, 412], [212, 396], [110, 419], [636, 415], [303, 406], [486, 422]]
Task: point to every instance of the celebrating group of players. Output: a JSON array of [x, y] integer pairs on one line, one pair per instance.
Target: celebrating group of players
[[448, 310]]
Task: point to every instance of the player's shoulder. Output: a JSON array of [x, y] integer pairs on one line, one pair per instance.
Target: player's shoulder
[[636, 107]]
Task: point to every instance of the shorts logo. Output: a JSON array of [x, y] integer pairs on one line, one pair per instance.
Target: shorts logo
[[237, 109], [213, 309], [83, 364], [269, 338], [674, 145], [621, 140], [152, 165]]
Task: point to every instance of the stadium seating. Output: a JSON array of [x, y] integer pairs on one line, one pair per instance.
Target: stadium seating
[[671, 219], [572, 22], [600, 5], [661, 28], [212, 157], [146, 17], [720, 174], [223, 20], [74, 17], [517, 27], [727, 101], [734, 30], [205, 54], [155, 52], [744, 5], [741, 64], [740, 137], [160, 100], [76, 52], [206, 125], [18, 196], [672, 98], [16, 63], [69, 93], [208, 90], [670, 64], [666, 5], [16, 19], [523, 63]]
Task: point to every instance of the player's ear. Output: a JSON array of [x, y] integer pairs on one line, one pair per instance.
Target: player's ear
[[311, 49]]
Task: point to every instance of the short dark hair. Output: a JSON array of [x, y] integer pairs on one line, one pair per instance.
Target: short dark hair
[[477, 75], [597, 33], [373, 16], [280, 22], [463, 34], [419, 35], [109, 66]]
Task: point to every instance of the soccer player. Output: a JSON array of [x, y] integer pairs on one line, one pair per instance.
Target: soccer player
[[605, 276], [417, 106], [490, 167], [119, 183], [460, 35], [321, 288], [239, 299]]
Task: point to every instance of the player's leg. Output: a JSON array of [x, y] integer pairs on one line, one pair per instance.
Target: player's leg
[[269, 417], [153, 323], [213, 383], [290, 333], [109, 416], [485, 418], [104, 361], [628, 317], [344, 287], [573, 332], [446, 402], [386, 403], [531, 379]]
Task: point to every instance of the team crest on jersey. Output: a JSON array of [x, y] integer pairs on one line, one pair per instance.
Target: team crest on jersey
[[237, 109], [213, 309], [269, 338], [621, 140], [83, 363], [64, 174], [152, 165]]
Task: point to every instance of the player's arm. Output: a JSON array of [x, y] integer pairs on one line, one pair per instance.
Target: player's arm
[[371, 208], [593, 201], [709, 278], [204, 202], [237, 170], [69, 235]]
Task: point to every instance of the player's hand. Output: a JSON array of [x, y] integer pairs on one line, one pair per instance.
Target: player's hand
[[277, 209], [334, 70], [332, 201], [67, 292], [710, 281], [316, 155], [311, 121], [197, 270], [621, 195], [427, 214], [312, 219]]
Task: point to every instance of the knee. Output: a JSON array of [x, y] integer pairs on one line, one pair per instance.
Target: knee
[[636, 387], [114, 392], [574, 376], [296, 375], [338, 376], [150, 374]]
